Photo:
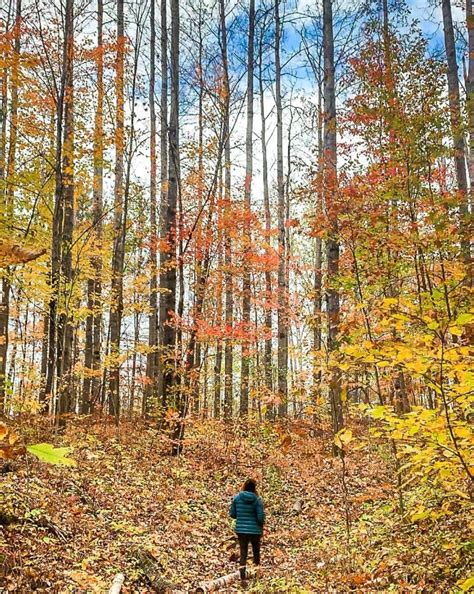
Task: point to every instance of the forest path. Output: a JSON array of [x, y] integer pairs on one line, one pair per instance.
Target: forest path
[[83, 523]]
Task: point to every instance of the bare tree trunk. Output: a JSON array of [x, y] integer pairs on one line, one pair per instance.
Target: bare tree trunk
[[318, 263], [244, 395], [228, 351], [168, 258], [164, 181], [152, 356], [116, 309], [91, 385], [457, 131], [8, 193], [199, 274], [218, 356], [268, 224], [65, 327], [282, 288], [330, 195]]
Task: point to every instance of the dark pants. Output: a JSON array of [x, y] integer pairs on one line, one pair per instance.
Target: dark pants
[[244, 540]]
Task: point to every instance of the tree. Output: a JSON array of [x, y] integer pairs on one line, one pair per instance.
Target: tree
[[7, 190], [267, 214], [456, 128], [91, 386], [152, 356], [246, 289], [65, 325], [330, 197], [168, 257], [282, 276], [164, 186], [118, 255], [228, 290]]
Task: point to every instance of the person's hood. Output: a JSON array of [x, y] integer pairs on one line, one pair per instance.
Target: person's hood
[[247, 497]]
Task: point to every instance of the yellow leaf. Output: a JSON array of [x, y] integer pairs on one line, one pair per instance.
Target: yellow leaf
[[467, 585], [343, 437]]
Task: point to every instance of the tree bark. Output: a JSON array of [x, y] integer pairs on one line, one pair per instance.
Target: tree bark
[[268, 224], [8, 193], [282, 288], [318, 263], [91, 387], [457, 130], [228, 284], [116, 309], [220, 261], [65, 327], [330, 196], [246, 289], [168, 258], [152, 356]]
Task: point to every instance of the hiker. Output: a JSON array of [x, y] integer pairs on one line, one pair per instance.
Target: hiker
[[247, 510]]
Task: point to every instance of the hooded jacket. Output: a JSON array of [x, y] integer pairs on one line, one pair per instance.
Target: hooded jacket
[[247, 509]]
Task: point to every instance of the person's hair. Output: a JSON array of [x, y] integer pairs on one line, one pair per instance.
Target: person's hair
[[250, 485]]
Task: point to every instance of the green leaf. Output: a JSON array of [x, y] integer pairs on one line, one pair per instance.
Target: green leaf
[[48, 453]]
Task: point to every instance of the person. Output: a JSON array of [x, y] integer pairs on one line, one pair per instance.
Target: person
[[247, 510]]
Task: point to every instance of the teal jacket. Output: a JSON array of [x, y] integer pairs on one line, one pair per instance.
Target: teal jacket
[[247, 509]]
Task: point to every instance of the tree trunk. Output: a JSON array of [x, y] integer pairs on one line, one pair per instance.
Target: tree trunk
[[164, 185], [330, 196], [8, 193], [65, 327], [318, 263], [168, 255], [456, 128], [228, 289], [168, 259], [268, 224], [152, 356], [282, 289], [91, 385], [116, 309], [219, 350], [244, 395]]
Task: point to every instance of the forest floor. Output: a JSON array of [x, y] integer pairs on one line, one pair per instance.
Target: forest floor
[[71, 529]]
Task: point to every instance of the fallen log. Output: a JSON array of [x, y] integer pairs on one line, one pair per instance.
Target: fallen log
[[117, 584], [222, 582]]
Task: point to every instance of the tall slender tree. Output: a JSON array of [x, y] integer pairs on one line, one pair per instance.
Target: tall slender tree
[[92, 356], [164, 184], [116, 309], [152, 356], [229, 314], [65, 325], [168, 256], [456, 128], [268, 219], [330, 197], [282, 276], [7, 190], [244, 397]]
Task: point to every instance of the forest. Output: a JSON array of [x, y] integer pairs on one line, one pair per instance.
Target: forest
[[235, 243]]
